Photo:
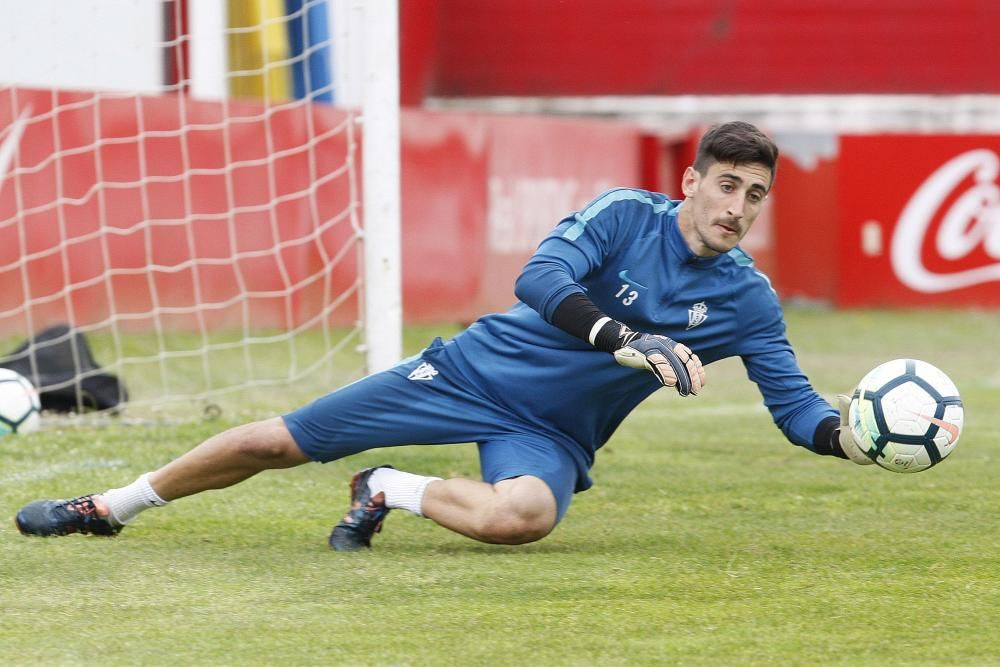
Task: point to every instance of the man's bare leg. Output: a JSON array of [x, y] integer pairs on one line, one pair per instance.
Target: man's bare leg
[[221, 461], [228, 458]]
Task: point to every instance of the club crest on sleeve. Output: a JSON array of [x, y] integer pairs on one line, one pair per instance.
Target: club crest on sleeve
[[697, 314], [424, 371]]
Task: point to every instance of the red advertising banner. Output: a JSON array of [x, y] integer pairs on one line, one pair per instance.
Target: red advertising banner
[[919, 220]]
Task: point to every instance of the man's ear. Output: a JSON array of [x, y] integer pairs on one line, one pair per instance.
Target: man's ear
[[689, 182]]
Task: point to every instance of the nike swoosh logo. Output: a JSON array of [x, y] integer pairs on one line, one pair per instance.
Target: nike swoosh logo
[[10, 143], [624, 276], [940, 423]]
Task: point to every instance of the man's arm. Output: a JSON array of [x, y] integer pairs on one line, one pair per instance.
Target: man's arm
[[804, 417], [673, 364]]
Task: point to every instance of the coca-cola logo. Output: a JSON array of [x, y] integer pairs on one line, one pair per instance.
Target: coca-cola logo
[[971, 221]]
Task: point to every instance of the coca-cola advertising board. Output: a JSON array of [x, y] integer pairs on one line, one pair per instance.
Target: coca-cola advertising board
[[919, 220]]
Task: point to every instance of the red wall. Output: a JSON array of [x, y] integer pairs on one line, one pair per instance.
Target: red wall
[[662, 47], [806, 204]]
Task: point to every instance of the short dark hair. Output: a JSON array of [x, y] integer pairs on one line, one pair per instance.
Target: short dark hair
[[738, 142]]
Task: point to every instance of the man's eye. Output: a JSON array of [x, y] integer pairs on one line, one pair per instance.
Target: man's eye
[[727, 187]]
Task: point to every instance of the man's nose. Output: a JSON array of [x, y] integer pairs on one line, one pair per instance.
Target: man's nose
[[739, 206]]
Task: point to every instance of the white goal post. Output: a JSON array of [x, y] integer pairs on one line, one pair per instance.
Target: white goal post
[[185, 189], [381, 179]]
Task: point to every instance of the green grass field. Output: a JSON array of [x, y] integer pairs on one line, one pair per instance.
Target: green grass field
[[707, 540]]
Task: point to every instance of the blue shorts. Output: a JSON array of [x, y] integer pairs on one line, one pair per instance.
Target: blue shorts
[[415, 403]]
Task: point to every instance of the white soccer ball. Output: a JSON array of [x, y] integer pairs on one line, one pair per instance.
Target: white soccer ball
[[906, 415], [19, 403]]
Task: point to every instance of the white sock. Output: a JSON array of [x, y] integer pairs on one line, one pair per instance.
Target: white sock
[[403, 490], [126, 503]]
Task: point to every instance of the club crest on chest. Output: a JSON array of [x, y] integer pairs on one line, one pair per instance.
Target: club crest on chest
[[697, 314]]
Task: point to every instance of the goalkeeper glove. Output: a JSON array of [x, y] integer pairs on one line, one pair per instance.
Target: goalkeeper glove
[[673, 364], [846, 437]]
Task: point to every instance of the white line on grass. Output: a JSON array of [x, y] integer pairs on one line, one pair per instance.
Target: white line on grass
[[55, 469]]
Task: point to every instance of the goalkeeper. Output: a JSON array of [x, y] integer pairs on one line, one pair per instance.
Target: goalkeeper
[[610, 308]]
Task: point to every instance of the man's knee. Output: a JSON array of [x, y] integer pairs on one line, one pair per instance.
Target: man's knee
[[267, 441], [524, 511]]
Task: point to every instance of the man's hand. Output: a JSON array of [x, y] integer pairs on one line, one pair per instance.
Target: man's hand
[[847, 442], [673, 364]]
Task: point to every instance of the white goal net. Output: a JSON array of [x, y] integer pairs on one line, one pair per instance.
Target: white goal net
[[180, 188]]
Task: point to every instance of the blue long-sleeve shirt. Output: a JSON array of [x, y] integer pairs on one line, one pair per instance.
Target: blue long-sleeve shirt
[[626, 252]]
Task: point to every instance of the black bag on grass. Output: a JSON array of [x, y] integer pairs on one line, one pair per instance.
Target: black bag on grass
[[65, 373]]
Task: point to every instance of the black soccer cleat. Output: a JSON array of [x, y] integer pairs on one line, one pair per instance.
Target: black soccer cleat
[[48, 518], [364, 519]]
